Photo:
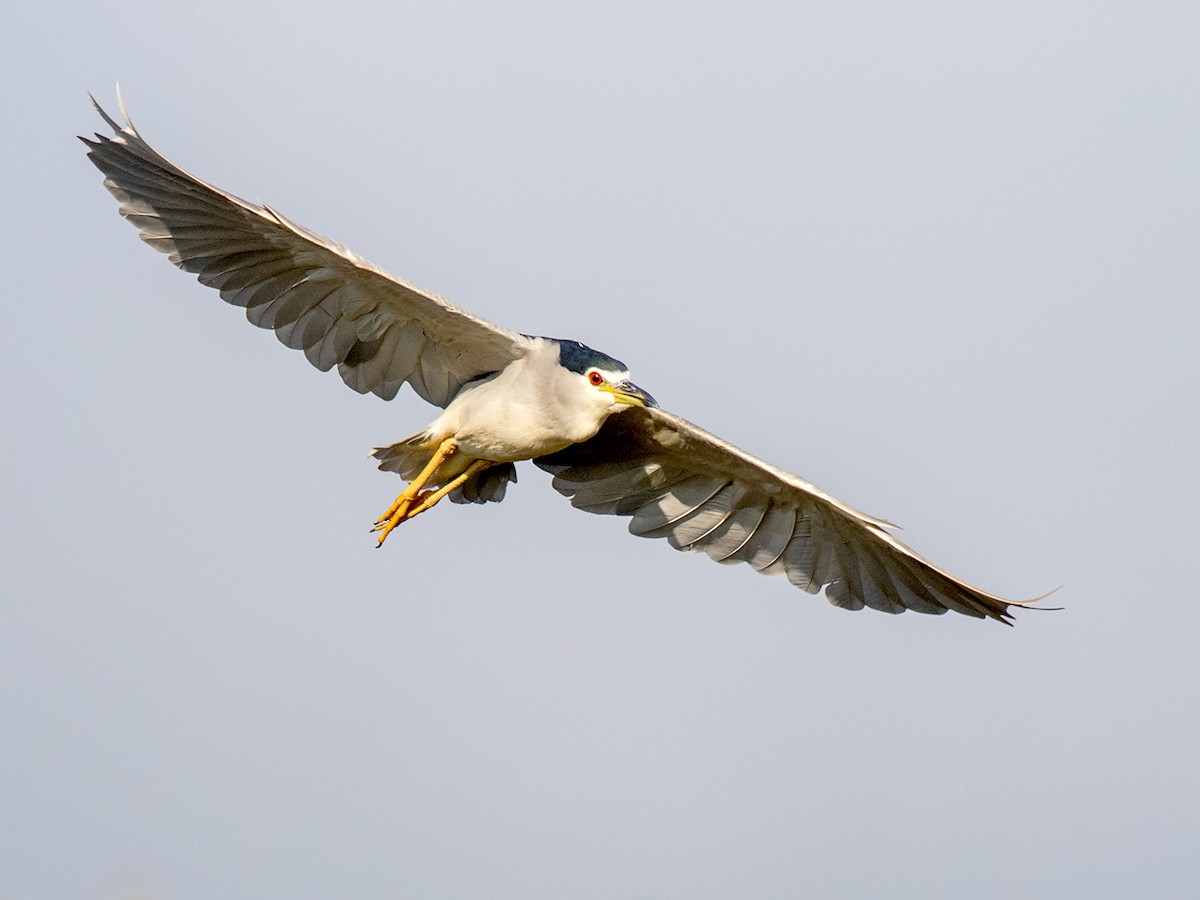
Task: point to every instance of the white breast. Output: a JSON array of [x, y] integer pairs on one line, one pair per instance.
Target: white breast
[[531, 408]]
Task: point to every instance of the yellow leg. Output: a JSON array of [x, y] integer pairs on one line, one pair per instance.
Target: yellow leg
[[428, 499], [425, 499], [397, 512]]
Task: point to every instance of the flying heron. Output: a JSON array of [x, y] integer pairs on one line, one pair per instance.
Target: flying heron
[[508, 397]]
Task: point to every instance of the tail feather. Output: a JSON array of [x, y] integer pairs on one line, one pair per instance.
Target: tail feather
[[407, 457]]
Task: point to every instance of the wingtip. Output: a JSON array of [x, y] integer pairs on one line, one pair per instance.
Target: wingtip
[[113, 123], [1029, 604], [104, 115], [1007, 618], [124, 111]]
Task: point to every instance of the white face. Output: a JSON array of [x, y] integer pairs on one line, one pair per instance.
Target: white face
[[598, 378], [614, 385]]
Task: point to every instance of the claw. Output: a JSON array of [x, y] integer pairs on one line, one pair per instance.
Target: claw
[[406, 507], [401, 507]]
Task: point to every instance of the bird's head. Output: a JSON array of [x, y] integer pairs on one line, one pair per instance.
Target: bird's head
[[603, 374]]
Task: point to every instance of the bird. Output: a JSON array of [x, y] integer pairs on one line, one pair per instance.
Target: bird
[[508, 397]]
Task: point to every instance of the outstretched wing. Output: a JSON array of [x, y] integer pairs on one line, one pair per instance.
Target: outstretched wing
[[316, 295], [679, 482]]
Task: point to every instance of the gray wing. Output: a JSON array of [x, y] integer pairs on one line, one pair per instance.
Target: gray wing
[[679, 482], [316, 295]]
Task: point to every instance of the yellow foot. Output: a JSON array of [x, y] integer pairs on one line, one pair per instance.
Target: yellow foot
[[399, 510], [399, 507], [403, 509], [414, 502]]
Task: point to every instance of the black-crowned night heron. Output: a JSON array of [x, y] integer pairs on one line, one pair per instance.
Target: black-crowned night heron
[[508, 397]]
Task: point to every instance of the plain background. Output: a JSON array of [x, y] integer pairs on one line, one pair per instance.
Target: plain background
[[939, 258]]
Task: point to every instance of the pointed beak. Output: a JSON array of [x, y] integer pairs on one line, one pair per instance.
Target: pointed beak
[[630, 394]]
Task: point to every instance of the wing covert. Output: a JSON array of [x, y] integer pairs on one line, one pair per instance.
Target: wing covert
[[677, 481], [315, 294]]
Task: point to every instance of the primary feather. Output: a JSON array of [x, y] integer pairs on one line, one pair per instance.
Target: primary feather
[[677, 481], [316, 295]]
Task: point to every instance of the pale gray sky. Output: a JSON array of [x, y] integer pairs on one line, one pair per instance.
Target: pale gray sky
[[939, 258]]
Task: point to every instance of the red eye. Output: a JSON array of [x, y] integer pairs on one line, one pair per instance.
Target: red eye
[[596, 378]]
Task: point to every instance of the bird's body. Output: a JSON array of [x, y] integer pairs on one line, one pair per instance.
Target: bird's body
[[509, 397], [533, 407]]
